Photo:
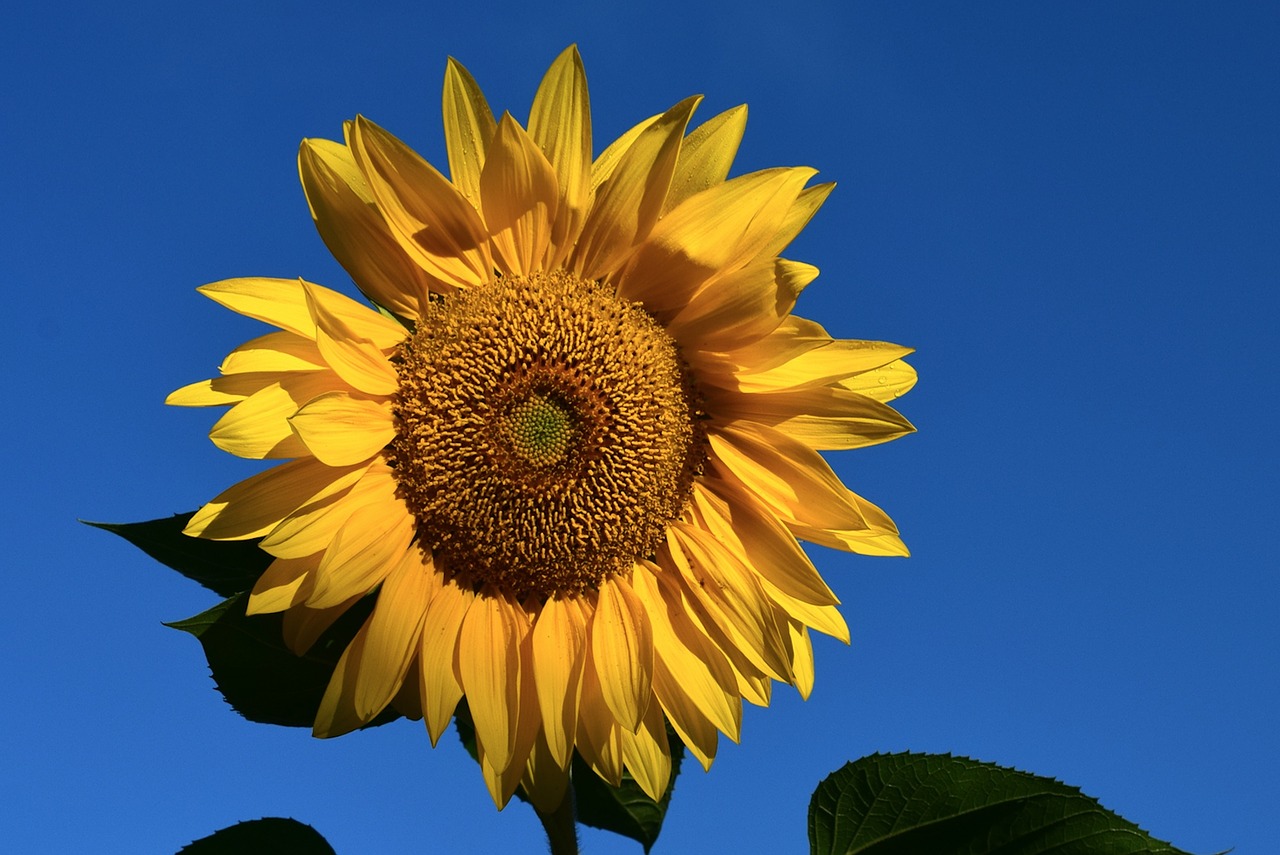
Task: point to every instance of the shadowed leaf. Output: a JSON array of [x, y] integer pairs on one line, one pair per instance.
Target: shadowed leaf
[[625, 810], [258, 675], [225, 567]]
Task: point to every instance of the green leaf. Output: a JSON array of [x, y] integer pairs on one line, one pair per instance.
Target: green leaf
[[225, 567], [625, 810], [270, 834], [901, 804], [258, 675]]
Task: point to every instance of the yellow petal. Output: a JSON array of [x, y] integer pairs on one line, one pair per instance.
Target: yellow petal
[[285, 583], [822, 417], [622, 650], [439, 228], [825, 619], [258, 504], [802, 663], [312, 527], [258, 427], [279, 302], [394, 633], [349, 223], [787, 477], [829, 362], [801, 212], [560, 123], [884, 383], [880, 537], [706, 155], [441, 689], [762, 542], [742, 306], [688, 668], [274, 352], [468, 129], [794, 337], [503, 780], [694, 729], [369, 544], [489, 665], [341, 430], [647, 754], [545, 780], [609, 159], [518, 197], [598, 739], [717, 230], [355, 358], [559, 642], [205, 393], [630, 201], [730, 596], [336, 714]]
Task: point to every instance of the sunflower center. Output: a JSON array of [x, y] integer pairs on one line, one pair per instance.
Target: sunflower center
[[539, 429], [546, 434]]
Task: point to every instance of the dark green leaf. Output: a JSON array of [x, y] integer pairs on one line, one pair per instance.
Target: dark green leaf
[[225, 567], [258, 675], [624, 810], [902, 804], [271, 834]]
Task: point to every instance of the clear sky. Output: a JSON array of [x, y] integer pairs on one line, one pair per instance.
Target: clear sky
[[1072, 210]]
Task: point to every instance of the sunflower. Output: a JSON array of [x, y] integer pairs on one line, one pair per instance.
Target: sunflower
[[569, 451]]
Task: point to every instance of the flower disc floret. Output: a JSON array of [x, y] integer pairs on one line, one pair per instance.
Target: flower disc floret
[[546, 433]]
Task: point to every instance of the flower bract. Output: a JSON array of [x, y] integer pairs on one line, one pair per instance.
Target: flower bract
[[570, 449]]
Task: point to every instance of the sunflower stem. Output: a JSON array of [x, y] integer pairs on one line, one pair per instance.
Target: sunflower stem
[[561, 827]]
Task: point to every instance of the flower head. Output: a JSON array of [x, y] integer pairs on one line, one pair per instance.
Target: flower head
[[572, 448]]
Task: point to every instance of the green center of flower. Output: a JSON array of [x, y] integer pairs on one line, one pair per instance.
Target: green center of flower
[[539, 429], [547, 433]]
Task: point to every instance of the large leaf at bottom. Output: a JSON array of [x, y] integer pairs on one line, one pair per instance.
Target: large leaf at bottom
[[258, 675], [269, 834], [904, 804], [225, 567]]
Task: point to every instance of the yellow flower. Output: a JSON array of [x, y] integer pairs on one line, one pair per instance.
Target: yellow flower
[[572, 455]]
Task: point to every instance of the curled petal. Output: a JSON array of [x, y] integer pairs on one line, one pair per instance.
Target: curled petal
[[434, 222], [351, 226]]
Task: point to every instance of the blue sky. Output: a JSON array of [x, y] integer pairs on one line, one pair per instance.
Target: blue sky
[[1071, 210]]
